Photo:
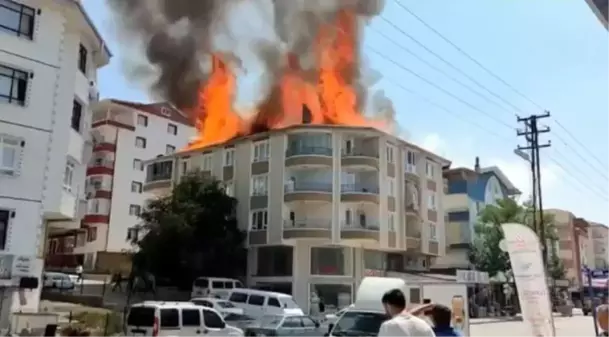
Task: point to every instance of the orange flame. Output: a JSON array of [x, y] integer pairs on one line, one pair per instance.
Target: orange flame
[[332, 100]]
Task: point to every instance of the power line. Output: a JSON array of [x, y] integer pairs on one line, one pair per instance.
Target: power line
[[580, 144]]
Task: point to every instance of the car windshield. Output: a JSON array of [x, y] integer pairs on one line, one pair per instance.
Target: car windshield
[[225, 304], [358, 323], [270, 321]]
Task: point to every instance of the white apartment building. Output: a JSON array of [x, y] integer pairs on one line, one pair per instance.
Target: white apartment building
[[600, 243], [323, 206], [49, 56], [125, 134]]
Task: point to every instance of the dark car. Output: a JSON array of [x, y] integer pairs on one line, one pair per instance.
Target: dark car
[[291, 325]]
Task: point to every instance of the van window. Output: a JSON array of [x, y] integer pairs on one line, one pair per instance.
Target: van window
[[238, 284], [256, 300], [212, 320], [202, 283], [228, 285], [170, 318], [238, 297], [273, 302], [191, 317], [141, 316], [217, 285]]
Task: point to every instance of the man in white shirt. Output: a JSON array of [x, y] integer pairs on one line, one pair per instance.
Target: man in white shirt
[[402, 322]]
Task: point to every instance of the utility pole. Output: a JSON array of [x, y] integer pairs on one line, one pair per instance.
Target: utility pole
[[531, 134]]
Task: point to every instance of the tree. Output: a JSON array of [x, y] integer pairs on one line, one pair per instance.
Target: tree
[[191, 232], [556, 268]]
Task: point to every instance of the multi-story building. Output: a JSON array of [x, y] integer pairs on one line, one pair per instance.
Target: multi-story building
[[600, 242], [49, 56], [324, 205], [125, 135], [467, 192], [572, 243]]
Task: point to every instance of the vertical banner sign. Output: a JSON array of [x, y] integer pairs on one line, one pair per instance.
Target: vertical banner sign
[[524, 249]]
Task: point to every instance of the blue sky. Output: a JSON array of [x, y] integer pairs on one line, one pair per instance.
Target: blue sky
[[554, 52]]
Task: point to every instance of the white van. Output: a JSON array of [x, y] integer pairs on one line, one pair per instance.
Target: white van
[[176, 319], [214, 286], [259, 303]]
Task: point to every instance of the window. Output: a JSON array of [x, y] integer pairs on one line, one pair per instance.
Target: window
[[274, 261], [76, 116], [172, 129], [217, 285], [414, 295], [238, 297], [91, 234], [94, 206], [261, 151], [82, 59], [229, 188], [191, 317], [260, 220], [429, 170], [431, 201], [327, 261], [260, 185], [142, 120], [273, 302], [141, 316], [9, 152], [169, 149], [140, 142], [308, 323], [170, 318], [135, 210], [229, 157], [13, 83], [391, 187], [292, 322], [5, 216], [136, 187], [411, 162], [213, 320], [208, 162], [184, 167], [390, 154], [432, 232], [68, 176], [256, 300], [17, 19], [138, 165], [391, 222]]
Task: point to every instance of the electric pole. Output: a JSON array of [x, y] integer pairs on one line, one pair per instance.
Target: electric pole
[[531, 134]]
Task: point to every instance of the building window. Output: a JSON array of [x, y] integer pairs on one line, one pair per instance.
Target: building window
[[82, 59], [184, 167], [138, 165], [5, 216], [13, 84], [432, 232], [17, 19], [68, 176], [91, 234], [431, 201], [208, 161], [142, 120], [327, 261], [169, 149], [261, 151], [229, 157], [93, 206], [9, 152], [259, 220], [140, 142], [430, 170], [390, 154], [274, 261], [391, 187], [172, 129], [391, 222], [260, 185], [135, 210], [229, 188], [76, 115], [411, 162], [136, 187]]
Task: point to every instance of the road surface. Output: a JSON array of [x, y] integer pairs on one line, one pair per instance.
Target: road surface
[[577, 325]]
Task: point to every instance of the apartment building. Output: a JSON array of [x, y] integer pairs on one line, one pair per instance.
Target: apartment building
[[600, 242], [573, 245], [49, 56], [324, 205], [125, 135], [467, 192]]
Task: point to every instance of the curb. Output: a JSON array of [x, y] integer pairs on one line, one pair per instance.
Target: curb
[[479, 321]]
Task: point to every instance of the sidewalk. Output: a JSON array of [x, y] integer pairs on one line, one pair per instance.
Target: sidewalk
[[517, 318]]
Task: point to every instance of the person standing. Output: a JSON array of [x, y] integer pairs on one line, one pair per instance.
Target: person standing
[[79, 271], [441, 317], [402, 322]]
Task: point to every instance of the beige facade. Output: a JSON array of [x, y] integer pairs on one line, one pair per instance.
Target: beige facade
[[600, 243], [318, 188], [573, 244]]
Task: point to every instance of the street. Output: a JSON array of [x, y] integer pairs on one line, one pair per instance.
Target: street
[[577, 325]]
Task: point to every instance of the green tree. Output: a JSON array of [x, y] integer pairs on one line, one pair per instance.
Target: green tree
[[556, 268], [191, 232]]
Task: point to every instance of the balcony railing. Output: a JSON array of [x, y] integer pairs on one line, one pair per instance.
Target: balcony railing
[[359, 153], [308, 187], [366, 225], [359, 188], [307, 224], [308, 151], [159, 171], [102, 163]]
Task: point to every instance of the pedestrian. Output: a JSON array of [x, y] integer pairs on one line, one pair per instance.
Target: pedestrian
[[117, 281], [79, 271], [402, 322], [441, 316]]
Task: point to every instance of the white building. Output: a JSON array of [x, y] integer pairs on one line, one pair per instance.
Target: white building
[[125, 134], [323, 206], [49, 56]]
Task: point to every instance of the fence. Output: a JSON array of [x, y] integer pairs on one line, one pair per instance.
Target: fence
[[95, 323]]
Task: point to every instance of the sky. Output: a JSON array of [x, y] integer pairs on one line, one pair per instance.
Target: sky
[[552, 54]]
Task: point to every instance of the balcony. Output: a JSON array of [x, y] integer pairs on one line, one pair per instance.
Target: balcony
[[356, 158], [101, 166], [412, 200], [307, 229], [413, 237], [410, 172], [306, 191], [361, 230], [308, 156], [158, 175], [359, 193]]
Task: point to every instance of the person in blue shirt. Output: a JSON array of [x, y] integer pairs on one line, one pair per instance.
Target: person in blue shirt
[[442, 317]]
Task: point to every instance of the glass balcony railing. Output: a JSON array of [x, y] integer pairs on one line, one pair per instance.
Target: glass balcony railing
[[159, 171], [359, 224], [359, 153], [359, 188], [308, 187], [307, 224], [308, 151]]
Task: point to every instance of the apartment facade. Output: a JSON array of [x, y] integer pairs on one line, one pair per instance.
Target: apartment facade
[[324, 206], [467, 192], [125, 135], [600, 242], [573, 244], [49, 57]]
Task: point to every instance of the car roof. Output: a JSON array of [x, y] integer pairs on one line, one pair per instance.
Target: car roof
[[210, 299], [217, 279], [170, 304], [259, 292]]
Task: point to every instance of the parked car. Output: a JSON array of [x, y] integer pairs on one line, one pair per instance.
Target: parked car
[[240, 321], [224, 307], [259, 303], [287, 325], [59, 281], [214, 286]]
